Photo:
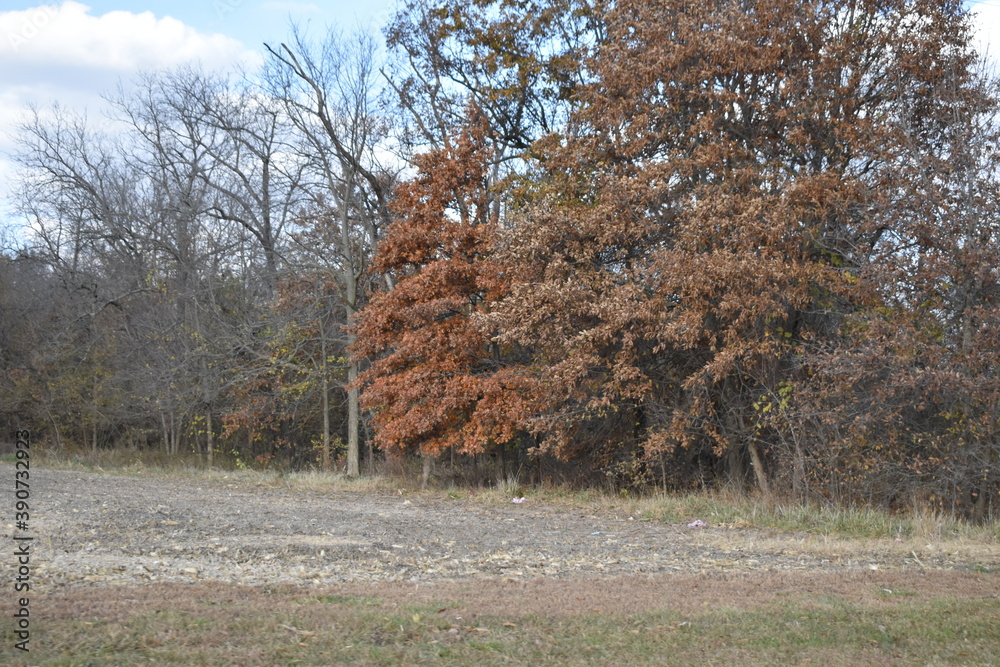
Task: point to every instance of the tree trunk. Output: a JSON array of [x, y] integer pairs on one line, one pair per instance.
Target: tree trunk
[[799, 471], [758, 469], [325, 455], [325, 399], [735, 468], [55, 428], [198, 450], [176, 434], [979, 509], [351, 288], [166, 434], [210, 442], [353, 422], [427, 471], [371, 454]]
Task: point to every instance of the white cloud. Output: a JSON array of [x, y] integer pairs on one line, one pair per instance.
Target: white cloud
[[69, 36], [65, 53]]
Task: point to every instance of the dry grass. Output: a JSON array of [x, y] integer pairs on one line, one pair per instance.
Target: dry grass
[[153, 463], [732, 510], [939, 618]]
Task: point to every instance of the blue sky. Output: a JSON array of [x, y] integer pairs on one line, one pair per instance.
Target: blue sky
[[254, 21]]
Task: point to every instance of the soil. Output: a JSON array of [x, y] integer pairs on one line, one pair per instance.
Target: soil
[[95, 530]]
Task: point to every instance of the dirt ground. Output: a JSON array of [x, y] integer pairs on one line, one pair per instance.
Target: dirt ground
[[151, 536]]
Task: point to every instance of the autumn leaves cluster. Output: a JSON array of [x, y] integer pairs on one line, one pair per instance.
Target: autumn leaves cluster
[[749, 241]]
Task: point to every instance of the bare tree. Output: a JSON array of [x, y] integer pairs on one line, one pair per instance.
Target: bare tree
[[330, 91]]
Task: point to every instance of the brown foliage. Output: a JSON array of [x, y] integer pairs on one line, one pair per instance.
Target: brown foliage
[[760, 232], [705, 213], [437, 381], [909, 388]]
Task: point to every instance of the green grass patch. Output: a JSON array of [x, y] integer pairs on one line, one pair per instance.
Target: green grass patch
[[358, 600], [323, 630]]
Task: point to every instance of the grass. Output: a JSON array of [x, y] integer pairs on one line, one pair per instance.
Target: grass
[[731, 510], [898, 624], [853, 522], [298, 628]]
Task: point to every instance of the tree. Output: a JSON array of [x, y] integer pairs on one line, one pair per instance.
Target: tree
[[521, 61], [329, 93], [436, 381], [722, 195], [902, 402], [125, 218]]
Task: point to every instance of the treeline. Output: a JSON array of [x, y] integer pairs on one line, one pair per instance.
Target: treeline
[[193, 258], [650, 243]]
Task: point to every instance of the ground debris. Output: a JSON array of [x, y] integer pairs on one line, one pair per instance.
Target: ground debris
[[107, 529]]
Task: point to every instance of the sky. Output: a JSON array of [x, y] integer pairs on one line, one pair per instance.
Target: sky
[[72, 51]]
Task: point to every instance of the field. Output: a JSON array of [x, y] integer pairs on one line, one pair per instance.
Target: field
[[189, 567]]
